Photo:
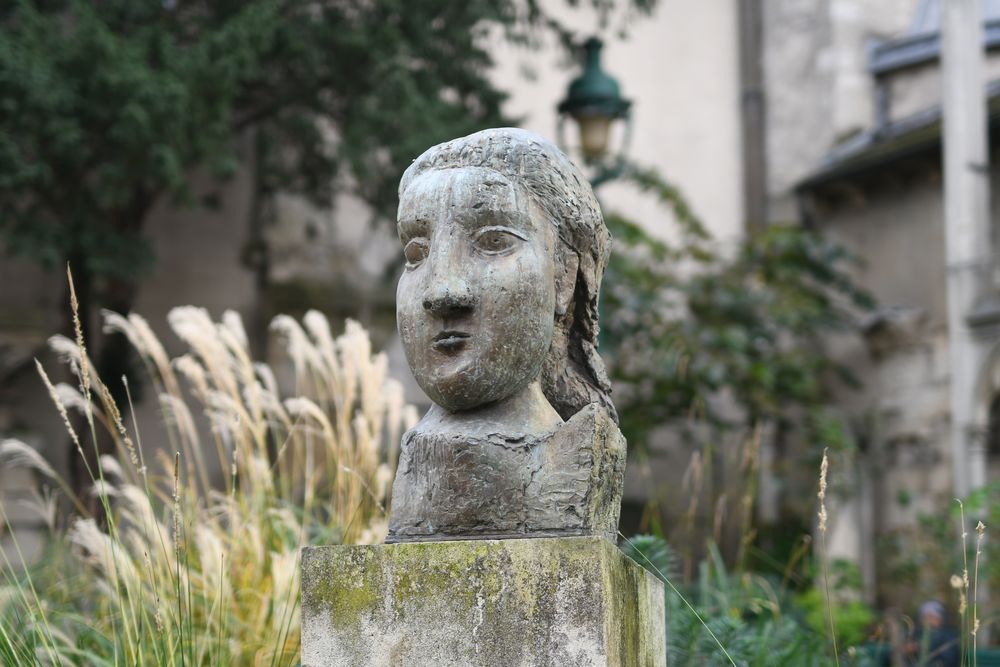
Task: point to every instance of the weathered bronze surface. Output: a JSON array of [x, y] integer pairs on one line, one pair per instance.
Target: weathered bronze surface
[[505, 248]]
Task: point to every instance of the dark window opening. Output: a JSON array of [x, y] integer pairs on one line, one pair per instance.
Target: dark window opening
[[993, 430]]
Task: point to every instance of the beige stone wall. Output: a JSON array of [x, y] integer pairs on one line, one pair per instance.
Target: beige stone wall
[[895, 228], [199, 256], [819, 92], [918, 88], [816, 72], [900, 413], [680, 68]]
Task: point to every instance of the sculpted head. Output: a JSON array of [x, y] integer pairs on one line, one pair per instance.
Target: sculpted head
[[505, 248]]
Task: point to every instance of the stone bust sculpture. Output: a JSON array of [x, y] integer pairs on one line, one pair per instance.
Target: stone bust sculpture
[[505, 247]]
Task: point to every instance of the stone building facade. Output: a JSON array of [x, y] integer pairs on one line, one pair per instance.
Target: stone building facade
[[875, 183]]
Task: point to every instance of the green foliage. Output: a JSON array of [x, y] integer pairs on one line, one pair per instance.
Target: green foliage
[[920, 560], [653, 553], [710, 340], [984, 503], [916, 561], [685, 322], [852, 617], [749, 616], [105, 107]]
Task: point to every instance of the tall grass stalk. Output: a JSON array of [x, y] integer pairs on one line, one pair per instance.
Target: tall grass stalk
[[750, 468], [963, 588], [194, 560], [680, 596], [823, 554], [980, 534]]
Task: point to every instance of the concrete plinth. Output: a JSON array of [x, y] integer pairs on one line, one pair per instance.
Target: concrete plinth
[[487, 603]]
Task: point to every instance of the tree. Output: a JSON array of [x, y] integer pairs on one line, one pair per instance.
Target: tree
[[107, 106]]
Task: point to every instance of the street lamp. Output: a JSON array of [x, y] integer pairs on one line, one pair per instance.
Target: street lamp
[[594, 102]]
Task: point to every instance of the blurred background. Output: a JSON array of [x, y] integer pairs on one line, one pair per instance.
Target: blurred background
[[800, 193]]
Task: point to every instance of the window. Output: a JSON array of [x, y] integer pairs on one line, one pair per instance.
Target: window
[[993, 430]]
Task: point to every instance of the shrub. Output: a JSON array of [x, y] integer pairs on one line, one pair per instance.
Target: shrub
[[728, 618]]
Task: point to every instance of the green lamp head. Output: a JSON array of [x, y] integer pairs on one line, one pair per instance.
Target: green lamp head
[[594, 100]]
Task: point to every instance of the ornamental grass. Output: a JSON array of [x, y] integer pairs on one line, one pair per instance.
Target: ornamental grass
[[188, 554]]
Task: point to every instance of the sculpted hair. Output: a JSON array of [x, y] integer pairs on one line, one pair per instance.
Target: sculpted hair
[[573, 374]]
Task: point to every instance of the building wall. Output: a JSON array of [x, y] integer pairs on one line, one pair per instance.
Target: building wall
[[817, 82], [900, 414], [680, 68], [895, 229], [819, 93], [897, 232], [918, 88], [894, 220]]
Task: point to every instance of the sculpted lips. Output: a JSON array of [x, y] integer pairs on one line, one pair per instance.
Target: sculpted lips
[[449, 341]]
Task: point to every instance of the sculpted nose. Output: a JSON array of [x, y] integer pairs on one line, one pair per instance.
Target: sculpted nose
[[450, 298], [447, 292]]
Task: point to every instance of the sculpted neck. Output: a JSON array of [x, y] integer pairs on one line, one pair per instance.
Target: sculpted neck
[[527, 412]]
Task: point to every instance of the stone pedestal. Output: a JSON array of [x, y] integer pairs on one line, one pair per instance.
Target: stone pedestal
[[484, 603]]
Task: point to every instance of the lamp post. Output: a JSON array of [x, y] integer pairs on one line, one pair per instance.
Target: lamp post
[[594, 103]]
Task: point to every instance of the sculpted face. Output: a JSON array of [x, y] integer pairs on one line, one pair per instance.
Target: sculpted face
[[475, 305]]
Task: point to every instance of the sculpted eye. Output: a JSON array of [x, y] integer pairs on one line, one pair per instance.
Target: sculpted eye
[[494, 240], [415, 251]]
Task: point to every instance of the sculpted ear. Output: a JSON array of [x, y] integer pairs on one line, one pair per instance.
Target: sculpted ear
[[566, 280]]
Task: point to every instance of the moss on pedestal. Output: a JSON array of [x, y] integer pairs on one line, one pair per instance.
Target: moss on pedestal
[[559, 601]]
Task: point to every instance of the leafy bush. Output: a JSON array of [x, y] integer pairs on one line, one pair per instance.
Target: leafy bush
[[741, 618], [688, 319], [722, 345], [852, 618]]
